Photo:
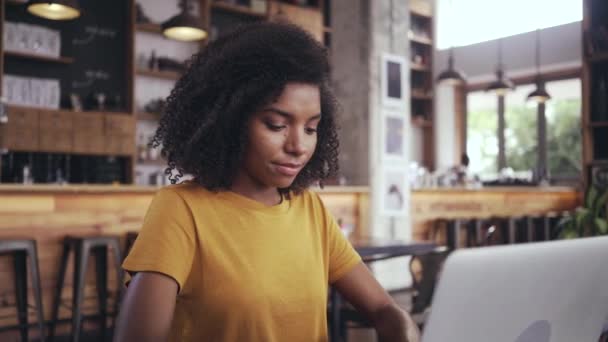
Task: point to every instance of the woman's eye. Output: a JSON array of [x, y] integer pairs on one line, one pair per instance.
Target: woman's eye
[[274, 127], [311, 131]]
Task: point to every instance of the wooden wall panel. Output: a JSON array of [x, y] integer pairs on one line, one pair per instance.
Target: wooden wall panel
[[429, 205], [49, 215]]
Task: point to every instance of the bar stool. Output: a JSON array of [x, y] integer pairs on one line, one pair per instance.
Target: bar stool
[[493, 231], [21, 250], [131, 237], [452, 228], [83, 247]]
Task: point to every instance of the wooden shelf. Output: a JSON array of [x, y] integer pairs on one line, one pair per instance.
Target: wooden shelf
[[599, 57], [420, 122], [148, 27], [599, 124], [421, 40], [156, 163], [237, 9], [40, 58], [168, 75], [599, 162], [420, 13], [147, 116], [419, 67], [421, 95]]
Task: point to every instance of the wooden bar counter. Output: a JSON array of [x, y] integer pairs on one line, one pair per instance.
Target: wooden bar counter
[[47, 213], [449, 203]]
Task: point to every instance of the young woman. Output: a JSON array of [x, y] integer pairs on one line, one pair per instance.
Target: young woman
[[243, 252]]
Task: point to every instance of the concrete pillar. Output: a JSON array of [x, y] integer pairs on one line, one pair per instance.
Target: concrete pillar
[[363, 30]]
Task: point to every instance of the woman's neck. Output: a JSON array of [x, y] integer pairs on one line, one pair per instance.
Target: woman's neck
[[267, 195]]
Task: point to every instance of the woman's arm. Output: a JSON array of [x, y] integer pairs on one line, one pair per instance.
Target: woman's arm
[[147, 308], [360, 288]]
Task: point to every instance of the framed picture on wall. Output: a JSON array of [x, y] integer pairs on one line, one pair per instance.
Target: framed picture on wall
[[394, 143], [395, 192], [392, 78]]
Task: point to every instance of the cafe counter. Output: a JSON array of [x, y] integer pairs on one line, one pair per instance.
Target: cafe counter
[[47, 213]]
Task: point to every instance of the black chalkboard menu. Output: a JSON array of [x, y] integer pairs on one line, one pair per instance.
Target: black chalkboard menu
[[97, 43]]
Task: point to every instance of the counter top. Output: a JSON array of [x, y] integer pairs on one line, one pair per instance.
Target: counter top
[[501, 189], [121, 188]]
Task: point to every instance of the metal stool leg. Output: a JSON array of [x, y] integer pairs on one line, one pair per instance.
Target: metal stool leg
[[57, 296], [21, 292], [35, 276], [81, 257], [118, 257], [101, 268]]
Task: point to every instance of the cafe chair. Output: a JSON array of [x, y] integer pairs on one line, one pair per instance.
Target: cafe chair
[[23, 251], [451, 230], [131, 237], [82, 248], [425, 270]]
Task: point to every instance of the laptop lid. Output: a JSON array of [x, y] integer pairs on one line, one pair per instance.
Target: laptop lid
[[538, 292]]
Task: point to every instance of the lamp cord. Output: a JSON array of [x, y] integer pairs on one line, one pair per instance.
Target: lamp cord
[[538, 51]]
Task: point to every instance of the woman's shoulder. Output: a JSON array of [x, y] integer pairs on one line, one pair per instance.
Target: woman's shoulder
[[309, 199], [186, 190]]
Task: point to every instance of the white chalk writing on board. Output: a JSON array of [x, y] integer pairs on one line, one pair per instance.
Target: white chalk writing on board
[[93, 32], [90, 77]]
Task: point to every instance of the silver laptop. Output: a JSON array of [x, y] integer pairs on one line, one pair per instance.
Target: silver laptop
[[538, 292]]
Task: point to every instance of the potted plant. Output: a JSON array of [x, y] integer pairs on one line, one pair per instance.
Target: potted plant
[[588, 220]]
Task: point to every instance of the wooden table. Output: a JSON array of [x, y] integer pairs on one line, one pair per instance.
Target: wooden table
[[372, 250]]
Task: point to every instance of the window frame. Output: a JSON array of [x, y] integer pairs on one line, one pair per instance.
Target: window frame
[[560, 75]]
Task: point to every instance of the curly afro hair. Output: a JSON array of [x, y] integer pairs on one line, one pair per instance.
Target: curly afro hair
[[203, 130]]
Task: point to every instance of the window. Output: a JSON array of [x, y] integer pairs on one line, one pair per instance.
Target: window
[[563, 131], [482, 139], [466, 22], [564, 140], [521, 138]]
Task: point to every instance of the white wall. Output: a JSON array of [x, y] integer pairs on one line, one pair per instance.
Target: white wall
[[561, 48]]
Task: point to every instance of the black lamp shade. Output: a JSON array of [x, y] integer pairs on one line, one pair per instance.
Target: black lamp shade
[[501, 85], [54, 9], [451, 77], [184, 27], [539, 94]]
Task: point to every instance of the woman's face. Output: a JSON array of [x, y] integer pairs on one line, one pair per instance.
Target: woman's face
[[282, 137]]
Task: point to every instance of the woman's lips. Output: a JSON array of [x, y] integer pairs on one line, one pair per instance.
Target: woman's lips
[[289, 170]]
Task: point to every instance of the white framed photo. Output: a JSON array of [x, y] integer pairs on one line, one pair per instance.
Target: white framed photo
[[392, 78], [394, 143], [395, 193]]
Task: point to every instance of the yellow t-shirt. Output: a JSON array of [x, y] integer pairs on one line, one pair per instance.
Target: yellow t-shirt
[[246, 271]]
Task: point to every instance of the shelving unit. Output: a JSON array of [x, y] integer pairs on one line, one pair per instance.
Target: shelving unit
[[237, 9], [421, 76], [599, 57], [168, 75], [148, 27], [421, 40], [138, 40], [419, 67], [76, 143], [40, 58], [595, 85], [147, 116]]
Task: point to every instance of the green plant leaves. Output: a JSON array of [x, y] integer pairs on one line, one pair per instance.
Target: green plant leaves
[[602, 226]]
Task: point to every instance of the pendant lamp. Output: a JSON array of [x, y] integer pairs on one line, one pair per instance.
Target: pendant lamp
[[502, 84], [54, 9], [451, 76], [184, 26], [539, 94]]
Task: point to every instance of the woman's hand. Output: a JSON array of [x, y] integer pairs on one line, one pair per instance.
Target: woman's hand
[[360, 288]]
